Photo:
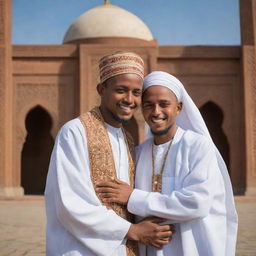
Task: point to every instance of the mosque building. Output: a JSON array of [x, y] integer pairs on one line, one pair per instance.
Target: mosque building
[[44, 86]]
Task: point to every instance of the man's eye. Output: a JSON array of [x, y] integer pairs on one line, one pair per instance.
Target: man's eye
[[120, 90], [146, 106], [164, 105], [137, 93]]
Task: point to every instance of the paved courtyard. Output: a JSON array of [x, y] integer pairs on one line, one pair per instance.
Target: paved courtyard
[[22, 227]]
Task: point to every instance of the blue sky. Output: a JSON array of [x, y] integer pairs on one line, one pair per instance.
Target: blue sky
[[172, 22]]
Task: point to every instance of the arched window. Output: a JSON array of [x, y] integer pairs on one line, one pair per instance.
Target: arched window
[[36, 151], [213, 116]]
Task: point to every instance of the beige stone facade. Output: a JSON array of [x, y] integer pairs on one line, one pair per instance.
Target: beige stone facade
[[42, 87]]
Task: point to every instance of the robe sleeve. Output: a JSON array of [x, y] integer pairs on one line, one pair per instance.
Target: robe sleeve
[[78, 208], [193, 200]]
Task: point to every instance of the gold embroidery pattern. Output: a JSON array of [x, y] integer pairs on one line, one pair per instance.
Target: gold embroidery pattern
[[102, 161], [120, 63]]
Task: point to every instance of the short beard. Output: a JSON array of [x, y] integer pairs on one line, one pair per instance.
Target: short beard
[[160, 133], [120, 120]]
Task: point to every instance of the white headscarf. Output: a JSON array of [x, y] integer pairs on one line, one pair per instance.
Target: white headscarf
[[190, 118]]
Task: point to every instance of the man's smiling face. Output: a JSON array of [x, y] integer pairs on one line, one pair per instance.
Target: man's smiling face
[[120, 97], [160, 108]]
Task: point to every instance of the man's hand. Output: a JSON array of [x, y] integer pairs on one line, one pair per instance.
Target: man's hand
[[114, 192], [150, 233]]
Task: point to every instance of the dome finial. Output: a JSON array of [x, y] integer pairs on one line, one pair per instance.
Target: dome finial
[[107, 2]]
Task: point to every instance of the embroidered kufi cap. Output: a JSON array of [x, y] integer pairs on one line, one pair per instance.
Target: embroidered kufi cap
[[120, 63]]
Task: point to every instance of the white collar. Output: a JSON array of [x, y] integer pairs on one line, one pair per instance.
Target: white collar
[[113, 129]]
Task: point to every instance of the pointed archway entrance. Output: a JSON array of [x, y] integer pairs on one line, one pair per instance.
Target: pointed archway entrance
[[214, 117], [36, 151]]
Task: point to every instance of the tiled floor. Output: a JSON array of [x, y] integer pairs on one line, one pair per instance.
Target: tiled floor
[[22, 227]]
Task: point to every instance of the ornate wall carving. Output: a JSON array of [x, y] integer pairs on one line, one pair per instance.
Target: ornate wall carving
[[56, 94], [29, 95]]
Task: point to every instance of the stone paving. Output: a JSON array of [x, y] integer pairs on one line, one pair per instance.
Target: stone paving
[[22, 227], [246, 242]]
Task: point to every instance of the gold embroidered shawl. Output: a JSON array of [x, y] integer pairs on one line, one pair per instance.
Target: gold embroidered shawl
[[102, 163]]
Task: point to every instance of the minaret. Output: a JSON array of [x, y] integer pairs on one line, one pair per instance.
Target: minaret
[[8, 181], [248, 41]]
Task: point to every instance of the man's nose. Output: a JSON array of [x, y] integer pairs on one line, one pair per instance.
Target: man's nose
[[156, 110], [129, 97]]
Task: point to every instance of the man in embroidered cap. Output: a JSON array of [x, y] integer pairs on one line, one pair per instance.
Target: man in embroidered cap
[[94, 148], [180, 175]]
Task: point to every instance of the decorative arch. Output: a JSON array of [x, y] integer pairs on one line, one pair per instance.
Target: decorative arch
[[22, 114], [214, 117], [36, 151]]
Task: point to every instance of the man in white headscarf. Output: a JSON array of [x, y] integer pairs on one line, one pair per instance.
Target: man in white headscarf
[[180, 175]]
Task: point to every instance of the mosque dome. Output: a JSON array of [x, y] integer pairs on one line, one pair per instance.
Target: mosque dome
[[107, 21]]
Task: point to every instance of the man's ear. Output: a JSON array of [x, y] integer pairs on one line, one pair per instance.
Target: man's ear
[[179, 107], [100, 88]]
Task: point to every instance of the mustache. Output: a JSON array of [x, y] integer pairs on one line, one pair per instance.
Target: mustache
[[159, 116], [132, 105]]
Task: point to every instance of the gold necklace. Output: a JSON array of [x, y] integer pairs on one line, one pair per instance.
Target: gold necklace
[[157, 178]]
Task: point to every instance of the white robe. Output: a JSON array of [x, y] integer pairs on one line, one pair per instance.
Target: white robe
[[77, 223], [193, 197]]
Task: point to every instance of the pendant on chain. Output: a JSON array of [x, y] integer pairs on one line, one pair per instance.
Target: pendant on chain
[[157, 182]]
